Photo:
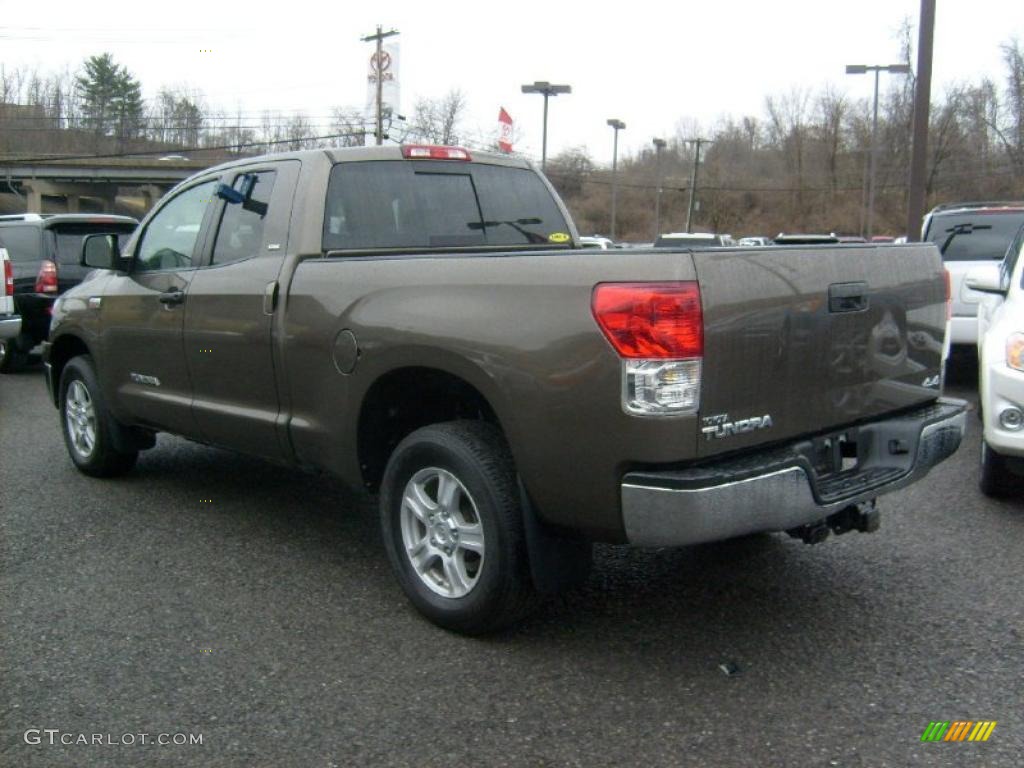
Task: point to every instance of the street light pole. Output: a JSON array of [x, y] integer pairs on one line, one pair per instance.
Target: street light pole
[[659, 145], [617, 125], [860, 69], [546, 89]]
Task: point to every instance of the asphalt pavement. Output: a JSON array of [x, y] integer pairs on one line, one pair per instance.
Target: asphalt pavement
[[216, 596]]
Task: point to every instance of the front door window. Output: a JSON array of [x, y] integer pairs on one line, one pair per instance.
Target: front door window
[[170, 237]]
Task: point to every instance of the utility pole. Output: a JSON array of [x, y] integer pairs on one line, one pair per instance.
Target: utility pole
[[617, 125], [659, 145], [378, 65], [922, 97], [693, 181]]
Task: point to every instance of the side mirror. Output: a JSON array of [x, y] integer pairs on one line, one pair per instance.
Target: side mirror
[[101, 251], [985, 281]]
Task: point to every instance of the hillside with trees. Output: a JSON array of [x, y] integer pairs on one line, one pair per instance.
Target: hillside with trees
[[799, 165]]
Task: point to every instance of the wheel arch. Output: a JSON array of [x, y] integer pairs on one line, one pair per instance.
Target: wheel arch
[[62, 349], [403, 399]]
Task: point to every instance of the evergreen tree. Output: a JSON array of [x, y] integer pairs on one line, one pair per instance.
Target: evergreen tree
[[111, 98]]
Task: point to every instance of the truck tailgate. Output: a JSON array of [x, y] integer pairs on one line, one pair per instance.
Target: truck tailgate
[[806, 339]]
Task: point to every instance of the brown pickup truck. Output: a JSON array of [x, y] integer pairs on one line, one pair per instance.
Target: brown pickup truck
[[419, 322]]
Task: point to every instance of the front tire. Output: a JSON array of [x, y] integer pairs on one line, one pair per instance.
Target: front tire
[[87, 425], [996, 478], [452, 522]]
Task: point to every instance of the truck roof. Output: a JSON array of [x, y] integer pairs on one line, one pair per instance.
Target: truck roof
[[363, 154], [52, 219]]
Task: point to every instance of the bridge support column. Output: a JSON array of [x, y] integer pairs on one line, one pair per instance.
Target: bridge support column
[[73, 193], [151, 193], [34, 199]]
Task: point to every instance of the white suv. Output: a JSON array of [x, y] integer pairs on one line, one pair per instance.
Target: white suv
[[970, 236], [1000, 330], [10, 323]]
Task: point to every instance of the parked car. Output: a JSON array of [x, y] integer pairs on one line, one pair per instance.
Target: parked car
[[596, 242], [693, 240], [420, 322], [755, 241], [970, 236], [1001, 369], [45, 251], [10, 321]]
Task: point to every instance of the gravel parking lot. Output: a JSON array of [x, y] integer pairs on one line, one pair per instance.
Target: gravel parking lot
[[216, 595]]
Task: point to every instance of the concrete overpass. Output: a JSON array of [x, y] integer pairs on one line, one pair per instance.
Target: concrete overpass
[[99, 180]]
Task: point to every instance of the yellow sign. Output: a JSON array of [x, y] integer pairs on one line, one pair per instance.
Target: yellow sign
[[558, 237]]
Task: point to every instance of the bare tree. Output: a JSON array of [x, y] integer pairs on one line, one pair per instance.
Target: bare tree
[[349, 124], [439, 121], [1012, 133]]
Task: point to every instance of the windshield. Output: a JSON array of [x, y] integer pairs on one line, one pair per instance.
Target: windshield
[[974, 235], [424, 204], [66, 241]]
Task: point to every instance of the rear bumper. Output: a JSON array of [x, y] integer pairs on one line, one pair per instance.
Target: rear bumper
[[10, 326], [779, 489]]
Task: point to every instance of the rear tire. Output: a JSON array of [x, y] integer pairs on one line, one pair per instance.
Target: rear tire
[[87, 425], [996, 478], [11, 358], [452, 522]]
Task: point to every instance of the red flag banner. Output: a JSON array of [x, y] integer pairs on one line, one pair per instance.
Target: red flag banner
[[504, 131]]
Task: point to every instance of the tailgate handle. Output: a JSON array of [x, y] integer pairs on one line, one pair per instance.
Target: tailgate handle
[[848, 297]]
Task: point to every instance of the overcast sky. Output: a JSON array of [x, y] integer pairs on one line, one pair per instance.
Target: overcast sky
[[649, 64]]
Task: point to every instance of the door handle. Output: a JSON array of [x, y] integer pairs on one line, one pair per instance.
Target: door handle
[[172, 297]]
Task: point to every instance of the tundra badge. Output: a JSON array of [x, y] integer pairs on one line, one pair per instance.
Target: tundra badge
[[719, 425]]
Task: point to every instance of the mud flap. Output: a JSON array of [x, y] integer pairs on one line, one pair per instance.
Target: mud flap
[[557, 563]]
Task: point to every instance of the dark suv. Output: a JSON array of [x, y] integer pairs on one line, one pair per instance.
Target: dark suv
[[45, 251]]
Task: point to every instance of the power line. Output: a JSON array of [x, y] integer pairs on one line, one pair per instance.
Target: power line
[[173, 150]]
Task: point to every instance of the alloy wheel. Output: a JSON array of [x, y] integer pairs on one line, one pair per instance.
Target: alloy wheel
[[442, 533]]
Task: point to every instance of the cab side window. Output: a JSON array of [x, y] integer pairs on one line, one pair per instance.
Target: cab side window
[[170, 237], [240, 234]]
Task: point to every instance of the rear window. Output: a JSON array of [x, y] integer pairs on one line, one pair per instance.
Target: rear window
[[424, 204], [22, 243], [975, 235], [65, 241]]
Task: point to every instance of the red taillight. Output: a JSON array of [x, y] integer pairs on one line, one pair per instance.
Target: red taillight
[[651, 320], [8, 278], [432, 152], [46, 280]]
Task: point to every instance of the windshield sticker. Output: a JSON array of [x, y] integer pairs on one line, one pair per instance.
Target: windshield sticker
[[558, 237]]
